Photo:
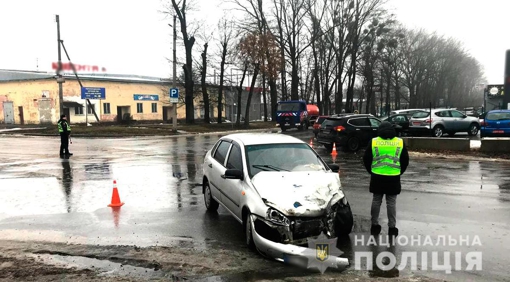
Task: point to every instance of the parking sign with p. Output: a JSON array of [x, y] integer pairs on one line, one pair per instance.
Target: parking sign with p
[[174, 95]]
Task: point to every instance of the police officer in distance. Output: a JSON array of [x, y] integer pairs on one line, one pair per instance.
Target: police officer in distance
[[65, 130], [386, 158]]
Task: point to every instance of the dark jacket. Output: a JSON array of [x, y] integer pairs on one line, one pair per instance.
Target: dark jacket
[[64, 127], [380, 184]]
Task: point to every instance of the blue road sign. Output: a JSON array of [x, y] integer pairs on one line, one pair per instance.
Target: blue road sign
[[174, 95], [93, 93], [145, 97]]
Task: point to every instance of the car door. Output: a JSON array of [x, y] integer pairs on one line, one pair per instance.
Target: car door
[[374, 126], [446, 120], [362, 129], [233, 188], [460, 121], [217, 168]]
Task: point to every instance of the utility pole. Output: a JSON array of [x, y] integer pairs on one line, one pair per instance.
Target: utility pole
[[60, 79], [174, 83]]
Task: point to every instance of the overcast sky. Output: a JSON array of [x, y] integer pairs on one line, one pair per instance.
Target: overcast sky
[[133, 36]]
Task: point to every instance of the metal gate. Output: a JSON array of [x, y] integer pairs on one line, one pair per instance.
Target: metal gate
[[8, 113]]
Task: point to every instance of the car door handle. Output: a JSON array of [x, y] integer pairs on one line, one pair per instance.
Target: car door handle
[[209, 165]]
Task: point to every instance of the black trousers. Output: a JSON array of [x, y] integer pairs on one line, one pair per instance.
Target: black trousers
[[64, 143]]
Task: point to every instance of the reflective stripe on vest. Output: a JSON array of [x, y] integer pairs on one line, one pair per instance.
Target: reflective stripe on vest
[[60, 129], [386, 156]]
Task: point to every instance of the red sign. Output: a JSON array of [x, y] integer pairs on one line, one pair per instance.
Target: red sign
[[84, 68]]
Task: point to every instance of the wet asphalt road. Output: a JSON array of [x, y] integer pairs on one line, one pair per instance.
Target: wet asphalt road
[[43, 197]]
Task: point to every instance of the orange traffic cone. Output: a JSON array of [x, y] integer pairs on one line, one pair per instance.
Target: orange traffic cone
[[311, 142], [115, 196], [334, 153]]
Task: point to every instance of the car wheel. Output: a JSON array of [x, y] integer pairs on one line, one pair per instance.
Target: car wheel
[[353, 144], [283, 128], [438, 131], [210, 203], [473, 130], [344, 220], [248, 232]]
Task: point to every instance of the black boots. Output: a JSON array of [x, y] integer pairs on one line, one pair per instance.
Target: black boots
[[393, 232], [375, 230]]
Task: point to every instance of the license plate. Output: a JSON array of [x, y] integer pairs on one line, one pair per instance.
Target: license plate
[[416, 123], [498, 131]]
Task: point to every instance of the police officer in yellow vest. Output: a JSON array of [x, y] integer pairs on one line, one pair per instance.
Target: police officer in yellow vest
[[65, 130], [386, 158]]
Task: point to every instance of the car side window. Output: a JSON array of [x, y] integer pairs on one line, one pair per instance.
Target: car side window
[[221, 152], [443, 114], [235, 158], [400, 119], [359, 122], [374, 122], [456, 114]]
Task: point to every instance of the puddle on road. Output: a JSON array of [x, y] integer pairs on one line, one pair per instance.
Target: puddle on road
[[105, 267]]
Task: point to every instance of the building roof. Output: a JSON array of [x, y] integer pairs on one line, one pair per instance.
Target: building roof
[[22, 75], [262, 138]]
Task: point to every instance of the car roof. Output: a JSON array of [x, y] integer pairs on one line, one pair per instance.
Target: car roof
[[499, 111], [262, 138], [342, 116]]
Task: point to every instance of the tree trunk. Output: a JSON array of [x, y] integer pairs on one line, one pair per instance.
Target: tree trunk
[[273, 94], [189, 84], [264, 96], [204, 85], [220, 90], [250, 94], [294, 94], [239, 96]]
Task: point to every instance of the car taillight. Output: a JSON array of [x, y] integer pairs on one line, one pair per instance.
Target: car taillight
[[428, 120], [483, 123], [339, 128]]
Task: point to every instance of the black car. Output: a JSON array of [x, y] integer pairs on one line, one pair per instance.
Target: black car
[[350, 132], [400, 123]]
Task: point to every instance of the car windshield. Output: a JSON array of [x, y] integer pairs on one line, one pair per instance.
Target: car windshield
[[420, 115], [498, 116], [288, 107], [320, 120], [282, 157]]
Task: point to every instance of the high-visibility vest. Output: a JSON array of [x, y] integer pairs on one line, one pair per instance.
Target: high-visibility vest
[[386, 156], [61, 129]]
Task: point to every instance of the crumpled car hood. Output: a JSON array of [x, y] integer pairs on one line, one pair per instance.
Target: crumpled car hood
[[298, 193]]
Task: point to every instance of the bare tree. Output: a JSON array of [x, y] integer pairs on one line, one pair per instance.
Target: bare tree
[[226, 34], [181, 8], [205, 94]]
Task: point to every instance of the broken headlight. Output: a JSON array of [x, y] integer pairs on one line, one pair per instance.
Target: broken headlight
[[277, 217]]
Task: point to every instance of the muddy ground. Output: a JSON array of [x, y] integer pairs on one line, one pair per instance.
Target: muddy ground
[[40, 261]]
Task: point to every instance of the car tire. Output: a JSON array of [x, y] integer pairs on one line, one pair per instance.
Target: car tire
[[344, 220], [210, 202], [283, 129], [353, 144], [473, 129], [248, 232], [438, 131]]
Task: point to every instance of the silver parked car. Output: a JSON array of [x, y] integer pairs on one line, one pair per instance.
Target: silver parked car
[[443, 121], [279, 188]]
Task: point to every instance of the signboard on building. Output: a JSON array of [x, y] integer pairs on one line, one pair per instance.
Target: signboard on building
[[174, 95], [96, 93], [78, 67], [146, 97], [495, 90]]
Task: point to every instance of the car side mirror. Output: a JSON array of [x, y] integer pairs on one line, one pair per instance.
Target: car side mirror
[[233, 174], [334, 167]]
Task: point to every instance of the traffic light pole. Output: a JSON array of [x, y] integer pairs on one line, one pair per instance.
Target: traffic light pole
[[60, 79]]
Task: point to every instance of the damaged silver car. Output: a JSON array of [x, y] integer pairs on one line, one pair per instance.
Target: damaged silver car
[[279, 188]]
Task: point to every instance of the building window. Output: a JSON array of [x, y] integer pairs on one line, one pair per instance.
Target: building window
[[154, 107], [139, 108], [78, 110], [89, 109], [106, 108]]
